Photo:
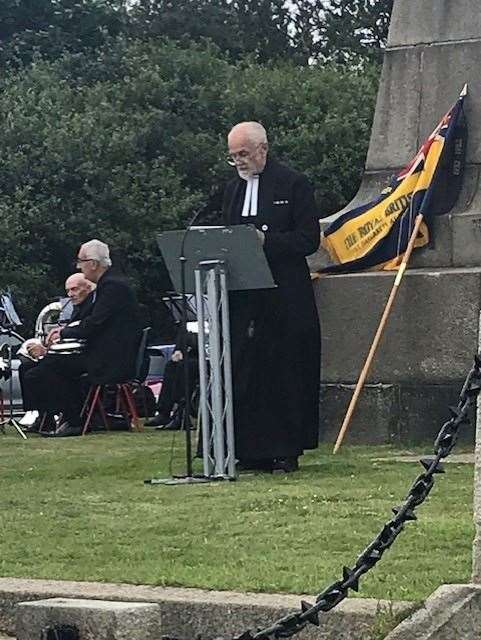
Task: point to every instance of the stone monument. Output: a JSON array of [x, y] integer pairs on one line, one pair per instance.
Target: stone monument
[[434, 47]]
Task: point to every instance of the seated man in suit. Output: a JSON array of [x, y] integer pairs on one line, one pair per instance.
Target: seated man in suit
[[111, 333], [80, 292]]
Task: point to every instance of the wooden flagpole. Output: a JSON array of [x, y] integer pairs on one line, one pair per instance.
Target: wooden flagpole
[[379, 332]]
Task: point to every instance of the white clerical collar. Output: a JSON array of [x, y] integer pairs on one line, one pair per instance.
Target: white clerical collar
[[251, 197]]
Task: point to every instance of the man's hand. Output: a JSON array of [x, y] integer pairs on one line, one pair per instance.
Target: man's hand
[[177, 356], [53, 336], [36, 350], [261, 235]]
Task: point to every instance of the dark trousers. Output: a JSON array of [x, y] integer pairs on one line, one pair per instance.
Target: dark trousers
[[173, 387], [54, 385], [28, 399]]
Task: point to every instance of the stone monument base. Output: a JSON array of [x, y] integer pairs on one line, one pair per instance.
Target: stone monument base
[[422, 360]]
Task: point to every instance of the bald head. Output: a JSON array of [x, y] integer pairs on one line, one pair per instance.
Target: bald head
[[252, 132], [78, 287], [248, 147]]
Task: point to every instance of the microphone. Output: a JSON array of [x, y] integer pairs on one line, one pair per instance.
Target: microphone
[[187, 229]]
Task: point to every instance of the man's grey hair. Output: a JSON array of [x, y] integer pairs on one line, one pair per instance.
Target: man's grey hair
[[253, 130], [99, 251]]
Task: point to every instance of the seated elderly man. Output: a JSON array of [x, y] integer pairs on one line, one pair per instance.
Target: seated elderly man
[[111, 333], [80, 292]]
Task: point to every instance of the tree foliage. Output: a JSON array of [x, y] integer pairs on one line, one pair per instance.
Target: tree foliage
[[132, 141], [259, 28], [345, 31], [48, 28], [353, 30]]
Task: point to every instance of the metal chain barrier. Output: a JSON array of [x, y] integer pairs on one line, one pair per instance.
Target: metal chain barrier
[[419, 491]]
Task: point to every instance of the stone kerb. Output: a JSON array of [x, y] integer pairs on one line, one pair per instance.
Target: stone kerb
[[94, 619], [186, 613]]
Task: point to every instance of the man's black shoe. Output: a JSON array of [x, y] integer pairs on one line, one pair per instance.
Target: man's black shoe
[[66, 430], [49, 424], [34, 427], [285, 465], [264, 464], [46, 434], [31, 429], [157, 421], [174, 424]]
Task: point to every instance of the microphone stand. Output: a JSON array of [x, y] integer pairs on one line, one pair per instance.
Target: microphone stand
[[183, 347], [11, 420], [189, 477]]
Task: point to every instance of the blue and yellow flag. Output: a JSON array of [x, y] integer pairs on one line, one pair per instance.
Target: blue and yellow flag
[[376, 235]]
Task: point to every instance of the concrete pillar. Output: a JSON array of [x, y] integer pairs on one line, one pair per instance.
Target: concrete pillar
[[434, 47]]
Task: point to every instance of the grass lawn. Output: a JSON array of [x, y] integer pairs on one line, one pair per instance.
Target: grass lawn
[[77, 509]]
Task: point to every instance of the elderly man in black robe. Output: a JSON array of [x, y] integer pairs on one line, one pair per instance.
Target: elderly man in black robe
[[275, 332]]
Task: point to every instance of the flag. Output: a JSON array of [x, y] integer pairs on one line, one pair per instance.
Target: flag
[[376, 235]]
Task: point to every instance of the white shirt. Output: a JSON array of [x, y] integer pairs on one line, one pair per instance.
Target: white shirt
[[251, 197]]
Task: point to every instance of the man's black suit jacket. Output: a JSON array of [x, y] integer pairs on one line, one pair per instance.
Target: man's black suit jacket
[[112, 331]]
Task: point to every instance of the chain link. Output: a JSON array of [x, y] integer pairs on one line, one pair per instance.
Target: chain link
[[419, 491]]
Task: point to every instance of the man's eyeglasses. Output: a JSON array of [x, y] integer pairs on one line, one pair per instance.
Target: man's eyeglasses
[[78, 261], [233, 158]]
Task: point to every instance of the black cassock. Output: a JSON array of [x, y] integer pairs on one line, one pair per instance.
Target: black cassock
[[275, 332]]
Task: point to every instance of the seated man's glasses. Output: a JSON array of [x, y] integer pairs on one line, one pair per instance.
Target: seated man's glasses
[[78, 261]]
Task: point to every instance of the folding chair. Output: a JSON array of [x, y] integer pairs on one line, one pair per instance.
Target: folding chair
[[125, 402]]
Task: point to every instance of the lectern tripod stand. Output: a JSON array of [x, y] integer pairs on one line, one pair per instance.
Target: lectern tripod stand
[[216, 260], [215, 369]]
